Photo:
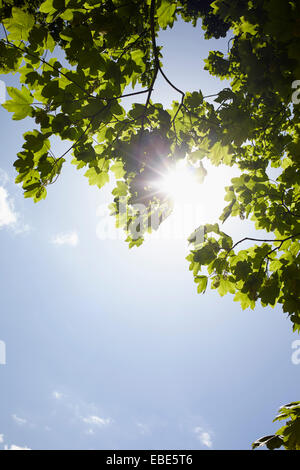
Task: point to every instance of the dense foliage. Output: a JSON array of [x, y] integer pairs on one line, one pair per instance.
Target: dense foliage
[[108, 45]]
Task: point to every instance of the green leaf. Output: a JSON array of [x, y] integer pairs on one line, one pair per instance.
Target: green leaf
[[198, 154], [165, 13], [225, 287], [272, 442], [97, 177], [19, 25], [20, 103], [244, 300], [118, 170], [220, 154], [202, 283], [121, 189]]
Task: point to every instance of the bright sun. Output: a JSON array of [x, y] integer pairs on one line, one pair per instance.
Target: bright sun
[[194, 203], [181, 184]]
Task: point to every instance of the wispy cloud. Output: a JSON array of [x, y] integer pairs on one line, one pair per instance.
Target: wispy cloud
[[90, 432], [203, 436], [8, 216], [70, 238], [57, 395], [87, 415], [4, 178], [143, 428], [96, 421], [18, 420], [14, 447]]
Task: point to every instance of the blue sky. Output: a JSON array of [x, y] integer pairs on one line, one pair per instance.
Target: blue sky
[[111, 348]]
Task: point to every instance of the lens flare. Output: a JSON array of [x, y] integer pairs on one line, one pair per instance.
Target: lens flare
[[180, 184]]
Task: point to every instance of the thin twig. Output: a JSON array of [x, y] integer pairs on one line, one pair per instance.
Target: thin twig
[[264, 240]]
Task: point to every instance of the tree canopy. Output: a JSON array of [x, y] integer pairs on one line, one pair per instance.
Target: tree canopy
[[110, 46]]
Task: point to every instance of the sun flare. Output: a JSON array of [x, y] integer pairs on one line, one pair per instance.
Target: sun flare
[[196, 200], [180, 184]]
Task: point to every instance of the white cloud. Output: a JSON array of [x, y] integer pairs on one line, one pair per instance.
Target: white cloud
[[57, 395], [8, 216], [96, 420], [90, 432], [18, 420], [4, 178], [143, 428], [70, 238], [14, 447], [87, 415], [203, 436]]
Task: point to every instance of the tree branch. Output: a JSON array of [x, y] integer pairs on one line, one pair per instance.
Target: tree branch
[[156, 61], [281, 241]]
